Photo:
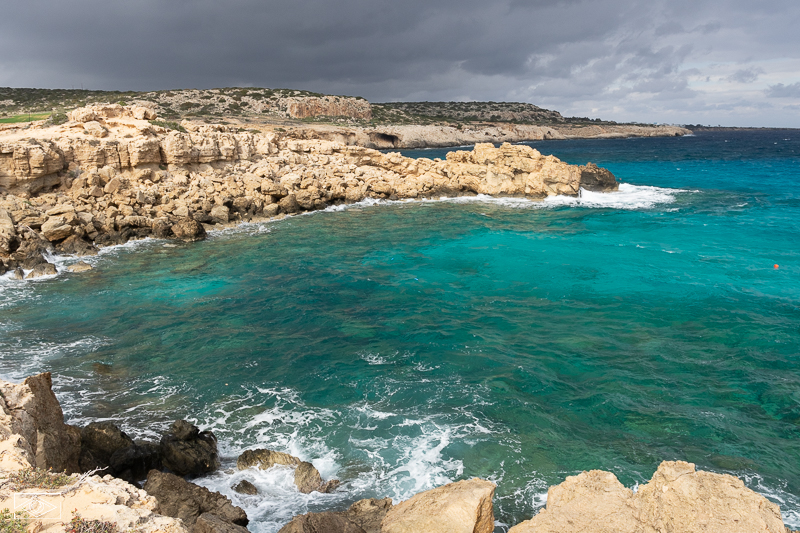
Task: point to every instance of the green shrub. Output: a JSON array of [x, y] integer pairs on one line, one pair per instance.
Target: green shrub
[[81, 525], [56, 119], [168, 125], [11, 523], [37, 478]]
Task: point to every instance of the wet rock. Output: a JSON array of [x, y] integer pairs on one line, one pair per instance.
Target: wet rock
[[465, 506], [189, 230], [179, 498], [306, 476], [99, 441], [134, 462], [74, 245], [363, 516], [677, 499], [18, 274], [162, 229], [3, 268], [210, 523], [42, 269], [245, 487], [80, 266], [36, 416], [289, 204], [188, 451]]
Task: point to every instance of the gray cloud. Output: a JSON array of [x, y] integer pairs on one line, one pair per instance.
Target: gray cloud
[[620, 59], [784, 91]]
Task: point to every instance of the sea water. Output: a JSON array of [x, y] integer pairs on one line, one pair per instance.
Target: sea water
[[403, 345]]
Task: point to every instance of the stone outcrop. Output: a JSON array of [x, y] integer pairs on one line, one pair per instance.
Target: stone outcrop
[[186, 450], [677, 499], [99, 441], [364, 516], [328, 106], [179, 498], [306, 477], [31, 412], [461, 507]]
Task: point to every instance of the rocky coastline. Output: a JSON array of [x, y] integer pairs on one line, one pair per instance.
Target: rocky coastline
[[109, 175], [112, 481]]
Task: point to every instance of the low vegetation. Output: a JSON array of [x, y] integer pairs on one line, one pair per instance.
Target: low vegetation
[[25, 117], [36, 478], [168, 125], [82, 525], [13, 522]]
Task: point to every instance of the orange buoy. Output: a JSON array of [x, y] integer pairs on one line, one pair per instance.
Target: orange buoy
[[776, 266]]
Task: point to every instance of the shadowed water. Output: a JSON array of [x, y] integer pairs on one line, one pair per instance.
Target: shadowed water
[[399, 346]]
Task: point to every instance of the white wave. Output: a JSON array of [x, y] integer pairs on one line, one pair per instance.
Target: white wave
[[627, 197]]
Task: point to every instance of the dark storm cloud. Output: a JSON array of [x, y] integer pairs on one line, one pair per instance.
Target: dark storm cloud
[[623, 59]]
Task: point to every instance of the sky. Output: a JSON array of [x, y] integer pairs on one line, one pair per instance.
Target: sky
[[716, 62]]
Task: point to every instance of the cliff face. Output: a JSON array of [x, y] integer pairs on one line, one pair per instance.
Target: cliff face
[[328, 106]]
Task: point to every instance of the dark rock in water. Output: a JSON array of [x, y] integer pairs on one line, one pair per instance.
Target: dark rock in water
[[74, 245], [306, 476], [179, 498], [42, 269], [187, 451], [3, 268], [245, 487], [162, 229], [134, 462], [33, 260], [19, 274], [209, 523], [189, 230], [99, 441], [364, 516]]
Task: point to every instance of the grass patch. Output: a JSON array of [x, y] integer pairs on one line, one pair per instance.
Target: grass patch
[[26, 117], [36, 478], [81, 525], [168, 125], [11, 523]]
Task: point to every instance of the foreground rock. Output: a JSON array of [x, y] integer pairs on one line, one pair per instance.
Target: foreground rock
[[462, 507], [364, 516], [32, 418], [179, 498], [306, 476], [188, 451], [677, 499]]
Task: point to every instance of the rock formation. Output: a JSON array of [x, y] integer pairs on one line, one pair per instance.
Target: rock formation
[[364, 516], [677, 499], [306, 476], [462, 507], [186, 450]]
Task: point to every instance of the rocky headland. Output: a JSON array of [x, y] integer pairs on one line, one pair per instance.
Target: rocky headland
[[101, 469], [110, 174]]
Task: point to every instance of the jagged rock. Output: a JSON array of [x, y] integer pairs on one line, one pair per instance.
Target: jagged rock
[[245, 487], [56, 228], [306, 477], [179, 498], [132, 463], [187, 451], [677, 499], [189, 230], [19, 274], [210, 523], [95, 129], [74, 245], [219, 213], [99, 441], [162, 229], [462, 507], [8, 233], [80, 266], [42, 269], [369, 513], [36, 416], [321, 523]]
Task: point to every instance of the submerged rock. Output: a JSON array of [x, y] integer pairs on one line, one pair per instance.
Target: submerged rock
[[188, 451], [80, 266], [462, 507], [677, 499], [306, 476], [179, 498], [42, 269]]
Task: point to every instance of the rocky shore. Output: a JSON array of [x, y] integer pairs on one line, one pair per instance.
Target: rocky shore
[[35, 443], [110, 175]]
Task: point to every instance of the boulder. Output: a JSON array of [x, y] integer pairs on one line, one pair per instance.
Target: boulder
[[245, 487], [179, 498], [133, 462], [56, 228], [95, 129], [36, 416], [99, 441], [42, 269], [189, 230], [306, 477], [211, 523], [80, 266], [369, 513], [462, 507], [74, 245], [187, 451], [219, 213], [677, 499], [321, 523]]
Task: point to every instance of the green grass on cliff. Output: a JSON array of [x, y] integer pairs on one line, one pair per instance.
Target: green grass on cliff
[[25, 117]]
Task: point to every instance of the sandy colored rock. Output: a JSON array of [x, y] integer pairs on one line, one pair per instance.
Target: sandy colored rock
[[677, 499], [211, 523], [189, 230], [461, 507], [42, 269], [306, 476]]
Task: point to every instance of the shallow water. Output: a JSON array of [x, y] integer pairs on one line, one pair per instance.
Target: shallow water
[[399, 346]]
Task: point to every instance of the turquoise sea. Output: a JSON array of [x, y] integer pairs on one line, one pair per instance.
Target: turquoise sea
[[400, 346]]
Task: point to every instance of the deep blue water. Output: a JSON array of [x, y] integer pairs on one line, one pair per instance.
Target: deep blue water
[[399, 346]]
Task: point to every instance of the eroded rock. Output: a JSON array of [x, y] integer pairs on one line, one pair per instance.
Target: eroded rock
[[306, 477], [188, 451]]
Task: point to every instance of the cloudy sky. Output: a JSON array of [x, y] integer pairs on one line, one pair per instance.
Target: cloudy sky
[[728, 62]]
